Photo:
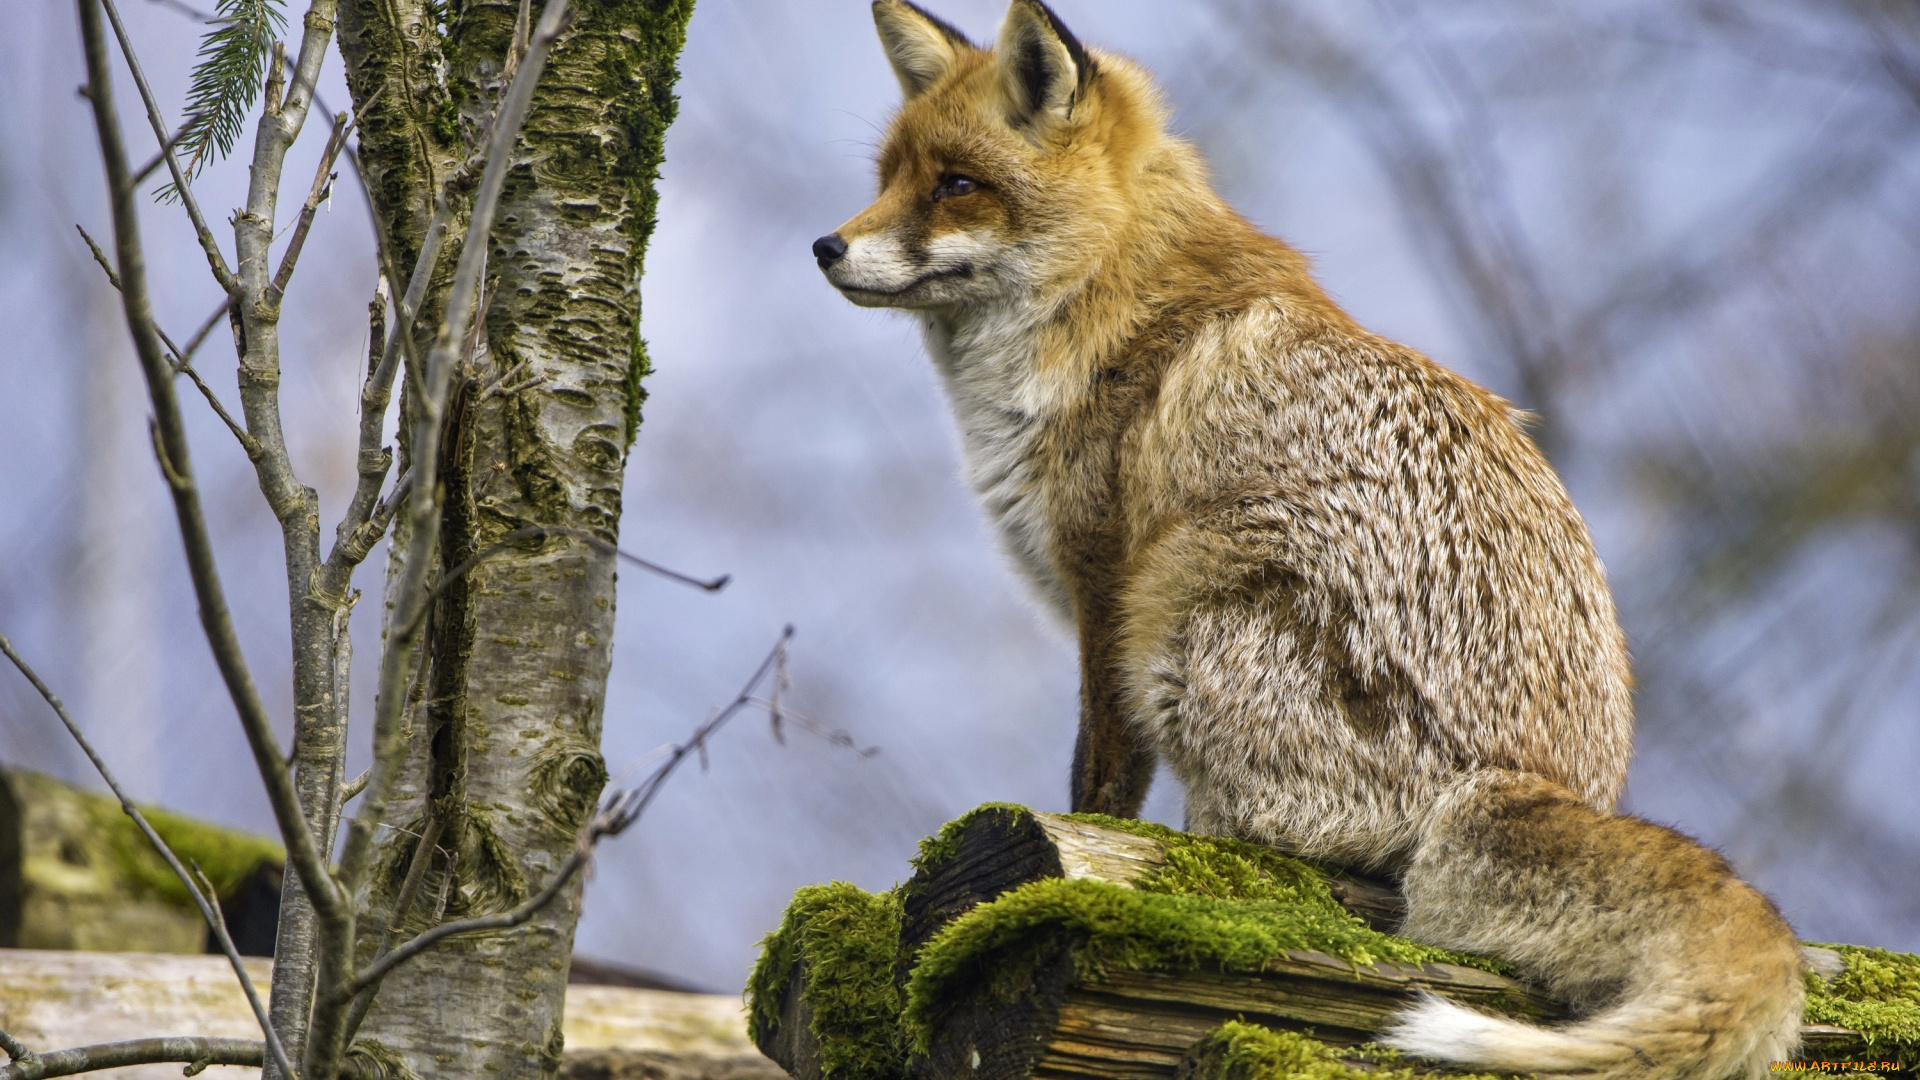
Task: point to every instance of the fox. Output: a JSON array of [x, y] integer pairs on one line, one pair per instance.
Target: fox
[[1333, 585]]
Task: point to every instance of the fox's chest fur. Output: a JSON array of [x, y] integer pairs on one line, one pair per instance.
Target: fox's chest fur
[[1036, 434], [1002, 406]]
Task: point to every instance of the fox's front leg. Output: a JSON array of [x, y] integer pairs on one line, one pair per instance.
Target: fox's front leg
[[1112, 760]]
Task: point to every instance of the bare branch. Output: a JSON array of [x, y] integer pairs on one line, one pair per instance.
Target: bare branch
[[388, 264], [180, 363], [540, 532], [181, 358], [630, 806], [203, 893], [617, 813], [171, 438], [160, 156], [194, 1051], [377, 392], [322, 187], [215, 260], [502, 383], [353, 548], [113, 278], [188, 10]]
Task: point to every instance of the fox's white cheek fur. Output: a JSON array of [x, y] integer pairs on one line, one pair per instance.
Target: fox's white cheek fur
[[879, 270], [875, 263]]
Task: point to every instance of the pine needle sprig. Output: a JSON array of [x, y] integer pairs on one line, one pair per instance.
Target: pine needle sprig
[[227, 80]]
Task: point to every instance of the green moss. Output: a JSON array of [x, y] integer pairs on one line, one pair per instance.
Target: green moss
[[1242, 1051], [1106, 926], [637, 373], [945, 844], [847, 938], [641, 78], [228, 858], [1877, 995]]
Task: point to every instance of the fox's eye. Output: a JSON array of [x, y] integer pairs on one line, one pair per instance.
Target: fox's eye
[[955, 185]]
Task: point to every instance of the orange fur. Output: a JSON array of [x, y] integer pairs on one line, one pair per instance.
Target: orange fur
[[1333, 584]]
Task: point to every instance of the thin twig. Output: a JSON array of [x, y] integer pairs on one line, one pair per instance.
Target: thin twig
[[190, 1050], [540, 532], [374, 972], [638, 799], [388, 264], [500, 386], [317, 194], [182, 358], [113, 277], [215, 260], [206, 17], [377, 392], [160, 156], [180, 362], [204, 900], [778, 715]]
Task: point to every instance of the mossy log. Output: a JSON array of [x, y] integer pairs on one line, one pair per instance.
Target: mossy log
[[75, 873], [1038, 945], [992, 853]]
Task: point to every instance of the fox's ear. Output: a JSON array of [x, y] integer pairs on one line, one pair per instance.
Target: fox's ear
[[921, 47], [1043, 67]]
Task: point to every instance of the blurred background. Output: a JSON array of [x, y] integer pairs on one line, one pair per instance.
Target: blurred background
[[1685, 233]]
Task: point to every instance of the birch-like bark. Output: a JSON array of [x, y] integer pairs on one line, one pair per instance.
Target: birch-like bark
[[517, 651]]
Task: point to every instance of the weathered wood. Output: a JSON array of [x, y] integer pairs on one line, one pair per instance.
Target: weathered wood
[[792, 1044], [1127, 1024], [55, 999], [647, 1065]]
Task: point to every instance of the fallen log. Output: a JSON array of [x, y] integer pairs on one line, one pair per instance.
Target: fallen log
[[75, 873], [1038, 945], [57, 999]]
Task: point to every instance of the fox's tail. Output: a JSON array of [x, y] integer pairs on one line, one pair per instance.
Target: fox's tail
[[1682, 971]]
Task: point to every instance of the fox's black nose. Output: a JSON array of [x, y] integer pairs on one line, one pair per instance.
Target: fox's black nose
[[828, 250]]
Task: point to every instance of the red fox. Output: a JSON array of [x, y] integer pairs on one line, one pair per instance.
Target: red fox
[[1335, 586]]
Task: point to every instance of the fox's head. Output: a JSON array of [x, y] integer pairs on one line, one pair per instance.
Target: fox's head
[[1007, 172]]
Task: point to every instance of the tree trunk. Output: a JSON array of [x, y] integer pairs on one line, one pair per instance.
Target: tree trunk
[[518, 649]]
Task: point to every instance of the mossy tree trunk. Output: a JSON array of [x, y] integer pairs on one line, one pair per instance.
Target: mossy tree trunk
[[517, 650]]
